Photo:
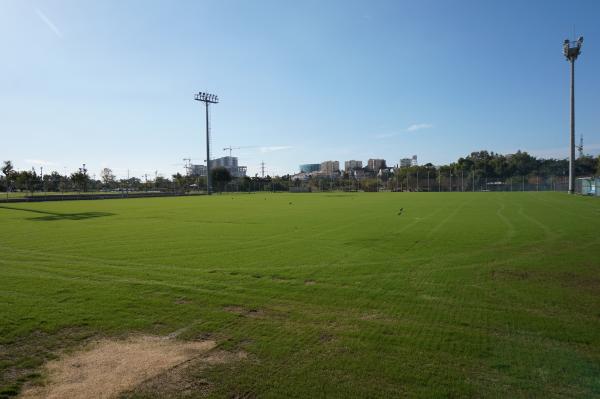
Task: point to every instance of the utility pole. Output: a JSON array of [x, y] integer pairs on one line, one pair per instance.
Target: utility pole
[[207, 99], [571, 51], [262, 169], [417, 179]]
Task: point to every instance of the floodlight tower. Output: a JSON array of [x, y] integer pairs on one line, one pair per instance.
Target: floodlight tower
[[207, 99], [571, 50]]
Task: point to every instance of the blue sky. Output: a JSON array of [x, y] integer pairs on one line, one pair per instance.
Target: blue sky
[[111, 83]]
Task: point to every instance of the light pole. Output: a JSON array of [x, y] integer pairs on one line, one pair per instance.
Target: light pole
[[207, 99], [417, 179], [571, 50]]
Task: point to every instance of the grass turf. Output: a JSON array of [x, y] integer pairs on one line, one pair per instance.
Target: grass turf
[[338, 295]]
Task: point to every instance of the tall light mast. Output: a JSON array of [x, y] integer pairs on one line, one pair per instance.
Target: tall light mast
[[207, 99], [571, 50]]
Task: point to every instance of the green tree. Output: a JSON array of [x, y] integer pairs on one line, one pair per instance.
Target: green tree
[[180, 181], [52, 182], [80, 180], [108, 178], [162, 183], [585, 165], [8, 170], [26, 181], [220, 177]]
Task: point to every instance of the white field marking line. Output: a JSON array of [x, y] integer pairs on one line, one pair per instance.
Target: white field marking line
[[158, 273], [370, 249], [547, 231], [442, 222], [559, 206], [116, 262], [101, 279], [511, 231]]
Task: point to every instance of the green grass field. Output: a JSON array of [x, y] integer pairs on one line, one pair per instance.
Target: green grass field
[[460, 295]]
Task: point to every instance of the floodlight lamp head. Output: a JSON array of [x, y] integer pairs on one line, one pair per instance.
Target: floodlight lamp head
[[206, 97]]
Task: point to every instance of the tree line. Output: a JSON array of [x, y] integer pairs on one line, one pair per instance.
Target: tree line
[[479, 166]]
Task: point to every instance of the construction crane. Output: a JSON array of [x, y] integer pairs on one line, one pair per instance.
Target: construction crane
[[188, 165], [580, 146], [230, 148]]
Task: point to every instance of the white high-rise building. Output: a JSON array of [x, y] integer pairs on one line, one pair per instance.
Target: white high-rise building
[[330, 167], [352, 165], [408, 162], [375, 164]]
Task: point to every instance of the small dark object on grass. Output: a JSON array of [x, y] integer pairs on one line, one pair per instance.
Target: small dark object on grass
[[290, 203]]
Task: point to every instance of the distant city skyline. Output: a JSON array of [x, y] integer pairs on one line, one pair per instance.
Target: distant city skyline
[[111, 84]]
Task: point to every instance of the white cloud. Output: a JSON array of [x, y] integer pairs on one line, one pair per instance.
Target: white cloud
[[418, 126], [412, 128], [48, 22], [275, 148]]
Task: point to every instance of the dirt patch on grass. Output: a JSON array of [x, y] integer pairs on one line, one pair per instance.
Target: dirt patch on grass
[[22, 358], [376, 316], [509, 274], [573, 280], [185, 379], [239, 310], [564, 279], [110, 367], [310, 282], [182, 301]]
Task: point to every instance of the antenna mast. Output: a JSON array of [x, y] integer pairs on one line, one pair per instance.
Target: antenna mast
[[580, 146]]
